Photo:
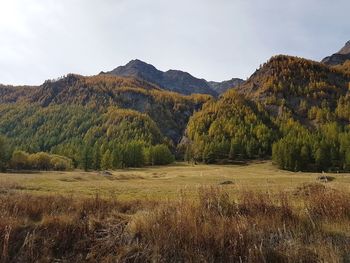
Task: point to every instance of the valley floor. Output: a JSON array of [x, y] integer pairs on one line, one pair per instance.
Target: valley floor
[[164, 182], [180, 213]]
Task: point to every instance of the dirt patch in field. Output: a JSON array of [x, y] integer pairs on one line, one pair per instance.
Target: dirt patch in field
[[124, 177]]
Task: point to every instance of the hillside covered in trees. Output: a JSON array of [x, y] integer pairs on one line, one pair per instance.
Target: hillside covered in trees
[[292, 110], [98, 122]]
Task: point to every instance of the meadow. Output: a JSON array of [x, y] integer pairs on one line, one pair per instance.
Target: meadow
[[164, 182], [177, 213]]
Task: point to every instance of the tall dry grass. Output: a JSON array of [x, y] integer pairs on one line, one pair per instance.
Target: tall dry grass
[[215, 227]]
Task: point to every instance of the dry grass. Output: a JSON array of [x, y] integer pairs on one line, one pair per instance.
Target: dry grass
[[216, 226], [158, 183]]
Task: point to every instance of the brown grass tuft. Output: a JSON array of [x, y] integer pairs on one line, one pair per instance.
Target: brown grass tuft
[[213, 227]]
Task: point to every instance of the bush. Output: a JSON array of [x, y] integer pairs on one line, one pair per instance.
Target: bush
[[61, 163], [40, 161], [20, 160]]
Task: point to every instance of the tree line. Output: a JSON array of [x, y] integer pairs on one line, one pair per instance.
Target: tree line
[[104, 157], [327, 149], [115, 155]]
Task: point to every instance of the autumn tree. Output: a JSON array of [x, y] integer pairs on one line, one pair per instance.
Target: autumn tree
[[20, 160]]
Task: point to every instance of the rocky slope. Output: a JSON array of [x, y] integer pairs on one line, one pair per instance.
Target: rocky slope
[[340, 57], [172, 80], [222, 87]]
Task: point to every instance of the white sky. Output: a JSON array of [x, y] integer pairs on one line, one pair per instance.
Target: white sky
[[211, 39]]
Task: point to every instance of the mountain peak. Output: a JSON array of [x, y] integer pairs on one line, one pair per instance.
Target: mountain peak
[[346, 49], [173, 80], [340, 57], [137, 62]]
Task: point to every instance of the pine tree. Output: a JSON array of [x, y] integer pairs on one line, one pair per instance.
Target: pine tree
[[4, 152], [107, 160], [86, 158], [347, 160], [322, 158], [117, 158], [96, 157]]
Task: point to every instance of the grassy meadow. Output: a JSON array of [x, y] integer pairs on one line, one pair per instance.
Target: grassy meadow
[[179, 213], [159, 183]]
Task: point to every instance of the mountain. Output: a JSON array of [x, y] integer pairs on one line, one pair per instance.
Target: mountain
[[221, 87], [340, 57], [295, 110], [65, 115], [73, 89], [345, 67], [295, 85], [172, 80], [292, 108]]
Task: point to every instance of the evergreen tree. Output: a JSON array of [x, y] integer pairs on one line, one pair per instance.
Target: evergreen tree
[[86, 157], [322, 158], [4, 152], [346, 164], [117, 157], [107, 160], [159, 155], [96, 157]]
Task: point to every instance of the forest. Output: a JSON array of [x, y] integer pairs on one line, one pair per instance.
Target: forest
[[291, 110], [108, 156]]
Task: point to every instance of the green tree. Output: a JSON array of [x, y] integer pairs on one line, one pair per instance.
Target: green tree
[[159, 155], [304, 157], [86, 158], [96, 156], [347, 160], [4, 153], [133, 154], [322, 158], [117, 156], [107, 160]]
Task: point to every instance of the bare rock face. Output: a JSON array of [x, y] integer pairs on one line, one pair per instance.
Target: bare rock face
[[340, 57], [221, 87], [173, 80], [346, 49]]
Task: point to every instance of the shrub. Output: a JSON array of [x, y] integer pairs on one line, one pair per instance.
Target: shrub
[[40, 161], [20, 160]]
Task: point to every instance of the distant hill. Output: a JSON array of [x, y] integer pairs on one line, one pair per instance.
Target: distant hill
[[173, 80], [295, 85], [340, 57], [221, 87], [75, 110], [292, 108]]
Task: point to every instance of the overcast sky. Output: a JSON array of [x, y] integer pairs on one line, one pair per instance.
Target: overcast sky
[[211, 39]]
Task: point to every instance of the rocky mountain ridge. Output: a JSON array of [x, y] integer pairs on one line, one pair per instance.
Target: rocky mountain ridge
[[172, 80]]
